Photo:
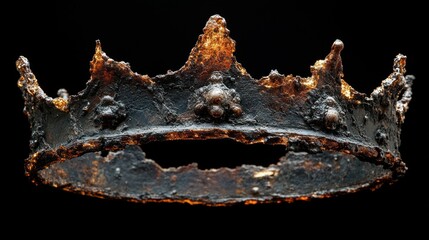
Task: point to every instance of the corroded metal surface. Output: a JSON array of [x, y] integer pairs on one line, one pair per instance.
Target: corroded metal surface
[[127, 174], [336, 139]]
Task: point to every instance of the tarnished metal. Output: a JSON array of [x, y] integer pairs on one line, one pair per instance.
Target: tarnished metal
[[335, 139]]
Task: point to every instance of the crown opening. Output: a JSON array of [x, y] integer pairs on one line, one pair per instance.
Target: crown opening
[[212, 154]]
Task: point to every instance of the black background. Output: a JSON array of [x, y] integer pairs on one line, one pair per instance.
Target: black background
[[59, 41]]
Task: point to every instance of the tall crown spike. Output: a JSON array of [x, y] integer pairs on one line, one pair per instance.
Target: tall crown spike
[[332, 138], [214, 50]]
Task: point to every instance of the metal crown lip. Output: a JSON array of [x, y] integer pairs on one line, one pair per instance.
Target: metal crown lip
[[213, 97]]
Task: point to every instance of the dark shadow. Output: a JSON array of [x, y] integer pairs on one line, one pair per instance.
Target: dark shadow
[[210, 154]]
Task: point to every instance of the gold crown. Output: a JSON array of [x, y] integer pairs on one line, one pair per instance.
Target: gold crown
[[333, 139]]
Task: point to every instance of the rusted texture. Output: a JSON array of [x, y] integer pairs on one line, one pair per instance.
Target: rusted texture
[[214, 51], [337, 139], [129, 175], [109, 113]]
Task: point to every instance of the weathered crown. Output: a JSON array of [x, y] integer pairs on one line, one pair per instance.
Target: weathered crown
[[334, 138]]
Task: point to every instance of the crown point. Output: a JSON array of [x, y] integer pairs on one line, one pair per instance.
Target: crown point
[[333, 65], [216, 23], [395, 90], [97, 62], [399, 63], [330, 70], [22, 64], [98, 51], [213, 50], [28, 81], [338, 45]]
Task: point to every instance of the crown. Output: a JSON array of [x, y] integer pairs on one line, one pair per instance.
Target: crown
[[332, 138]]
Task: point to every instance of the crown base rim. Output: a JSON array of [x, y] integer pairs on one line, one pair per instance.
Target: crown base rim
[[366, 166], [297, 176]]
